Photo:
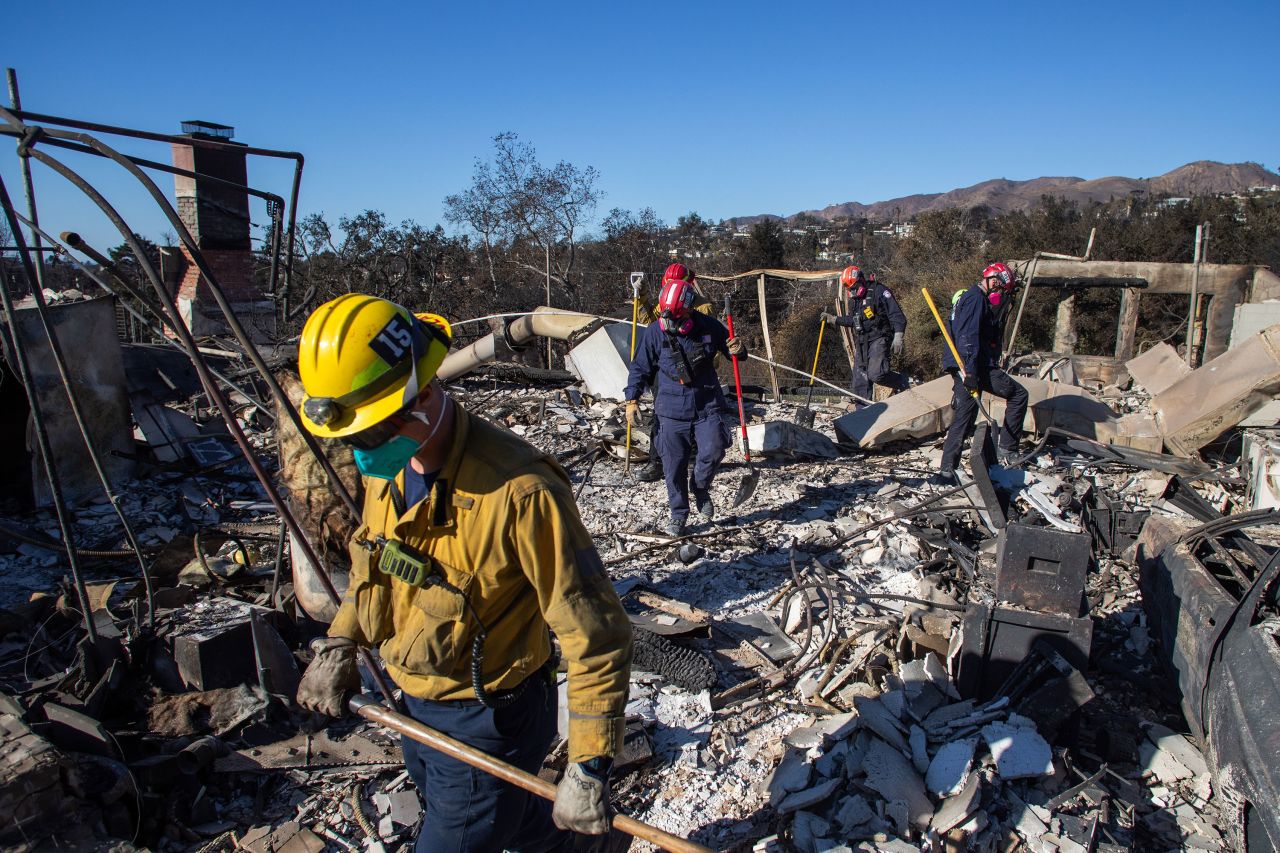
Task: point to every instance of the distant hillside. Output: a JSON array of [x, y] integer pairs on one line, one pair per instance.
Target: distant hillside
[[1203, 177]]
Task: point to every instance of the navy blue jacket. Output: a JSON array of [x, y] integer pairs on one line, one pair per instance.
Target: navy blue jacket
[[975, 332], [885, 318], [656, 351]]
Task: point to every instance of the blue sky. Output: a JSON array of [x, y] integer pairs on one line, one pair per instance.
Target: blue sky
[[723, 108]]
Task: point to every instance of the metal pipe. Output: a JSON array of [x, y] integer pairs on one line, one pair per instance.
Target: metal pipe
[[366, 707], [266, 195], [96, 127], [1195, 285], [282, 400], [41, 434], [542, 322], [218, 399]]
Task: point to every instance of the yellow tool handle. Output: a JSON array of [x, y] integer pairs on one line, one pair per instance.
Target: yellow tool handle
[[946, 336], [813, 373], [635, 316]]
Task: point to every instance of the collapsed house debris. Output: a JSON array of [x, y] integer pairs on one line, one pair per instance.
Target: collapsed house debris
[[1076, 651]]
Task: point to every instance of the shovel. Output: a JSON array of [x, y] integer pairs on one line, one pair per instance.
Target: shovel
[[804, 417], [748, 485]]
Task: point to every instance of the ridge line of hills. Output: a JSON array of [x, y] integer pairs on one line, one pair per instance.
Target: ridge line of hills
[[1000, 195]]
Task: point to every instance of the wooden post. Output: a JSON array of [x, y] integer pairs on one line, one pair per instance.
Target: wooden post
[[1064, 332], [1127, 327], [846, 334], [768, 344]]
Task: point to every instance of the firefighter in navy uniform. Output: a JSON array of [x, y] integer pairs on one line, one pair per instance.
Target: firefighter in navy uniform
[[878, 326], [652, 471], [976, 330], [680, 347]]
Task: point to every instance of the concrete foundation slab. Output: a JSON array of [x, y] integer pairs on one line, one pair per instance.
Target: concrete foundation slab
[[1214, 398], [1157, 368], [601, 361], [925, 411], [787, 440], [918, 412]]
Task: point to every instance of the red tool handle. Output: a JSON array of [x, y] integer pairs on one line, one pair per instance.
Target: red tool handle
[[737, 382]]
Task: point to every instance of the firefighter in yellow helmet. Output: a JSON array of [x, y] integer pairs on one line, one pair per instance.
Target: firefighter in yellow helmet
[[470, 553]]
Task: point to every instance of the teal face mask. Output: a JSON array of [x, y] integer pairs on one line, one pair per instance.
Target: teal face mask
[[386, 461]]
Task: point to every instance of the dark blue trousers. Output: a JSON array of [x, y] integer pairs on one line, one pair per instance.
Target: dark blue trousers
[[467, 809], [995, 381], [871, 367], [676, 441]]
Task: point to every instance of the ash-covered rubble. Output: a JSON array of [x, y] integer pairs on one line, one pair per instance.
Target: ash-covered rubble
[[844, 661]]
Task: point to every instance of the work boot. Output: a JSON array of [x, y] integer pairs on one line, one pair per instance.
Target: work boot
[[650, 473], [944, 477], [675, 527], [702, 500], [1006, 455]]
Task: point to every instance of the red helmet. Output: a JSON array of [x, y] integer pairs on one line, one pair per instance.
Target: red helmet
[[677, 296], [678, 272], [852, 276], [1002, 272]]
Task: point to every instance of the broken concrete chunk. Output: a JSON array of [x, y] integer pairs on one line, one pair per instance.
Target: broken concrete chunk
[[892, 776], [1218, 395], [1020, 753], [950, 767], [810, 796], [806, 828], [838, 726], [876, 717], [853, 812], [1157, 368], [954, 810], [1179, 747], [831, 764], [919, 748], [789, 440], [792, 774], [1161, 764], [895, 702]]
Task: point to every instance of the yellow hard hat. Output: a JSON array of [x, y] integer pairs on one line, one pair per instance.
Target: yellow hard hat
[[362, 359]]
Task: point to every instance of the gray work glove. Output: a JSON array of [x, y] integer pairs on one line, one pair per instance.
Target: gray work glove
[[736, 347], [828, 317], [896, 346], [330, 677], [582, 799]]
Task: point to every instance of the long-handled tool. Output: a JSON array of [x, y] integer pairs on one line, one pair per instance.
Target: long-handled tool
[[955, 353], [636, 278], [749, 482], [804, 417], [370, 709]]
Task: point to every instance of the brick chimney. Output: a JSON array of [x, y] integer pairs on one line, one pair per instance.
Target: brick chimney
[[217, 216]]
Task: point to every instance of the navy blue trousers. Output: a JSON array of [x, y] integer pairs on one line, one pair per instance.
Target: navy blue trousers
[[676, 441], [871, 367], [467, 809], [995, 381]]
